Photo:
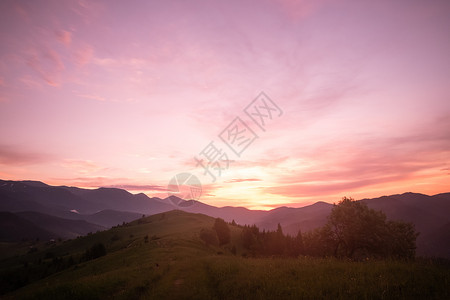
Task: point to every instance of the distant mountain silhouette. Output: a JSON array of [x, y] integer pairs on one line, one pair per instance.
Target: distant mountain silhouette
[[106, 207], [15, 228], [120, 200], [68, 202], [109, 218], [32, 225], [36, 196], [294, 219], [59, 227]]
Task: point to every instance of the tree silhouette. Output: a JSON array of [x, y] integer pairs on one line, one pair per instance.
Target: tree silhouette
[[222, 231], [401, 241], [355, 230]]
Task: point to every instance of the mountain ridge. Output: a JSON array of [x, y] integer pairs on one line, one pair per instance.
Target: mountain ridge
[[107, 207]]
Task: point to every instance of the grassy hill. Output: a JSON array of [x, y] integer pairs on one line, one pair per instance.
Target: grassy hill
[[162, 257]]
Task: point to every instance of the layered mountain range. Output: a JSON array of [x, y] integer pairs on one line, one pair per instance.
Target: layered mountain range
[[35, 210]]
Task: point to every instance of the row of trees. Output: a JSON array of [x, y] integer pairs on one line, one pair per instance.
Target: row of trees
[[352, 231], [270, 243]]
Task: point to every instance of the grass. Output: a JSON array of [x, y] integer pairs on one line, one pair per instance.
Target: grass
[[175, 264]]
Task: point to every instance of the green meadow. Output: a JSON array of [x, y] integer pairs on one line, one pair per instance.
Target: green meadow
[[162, 257]]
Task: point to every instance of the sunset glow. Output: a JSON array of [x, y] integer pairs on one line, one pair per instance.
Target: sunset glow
[[128, 94]]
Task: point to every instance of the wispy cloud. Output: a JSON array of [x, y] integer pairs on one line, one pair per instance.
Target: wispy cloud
[[31, 82], [82, 166], [64, 36], [47, 63], [112, 182], [15, 155], [328, 187], [88, 181], [357, 164], [126, 62], [299, 9], [137, 187], [92, 97], [21, 11], [83, 55], [89, 11], [237, 180]]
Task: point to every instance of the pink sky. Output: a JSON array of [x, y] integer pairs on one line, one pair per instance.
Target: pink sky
[[120, 93]]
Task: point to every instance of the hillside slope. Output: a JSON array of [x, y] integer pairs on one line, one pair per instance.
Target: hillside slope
[[162, 257]]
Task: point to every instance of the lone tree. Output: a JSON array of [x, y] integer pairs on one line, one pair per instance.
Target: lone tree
[[354, 230], [222, 231]]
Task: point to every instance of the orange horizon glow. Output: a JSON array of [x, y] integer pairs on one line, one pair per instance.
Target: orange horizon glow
[[98, 94]]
